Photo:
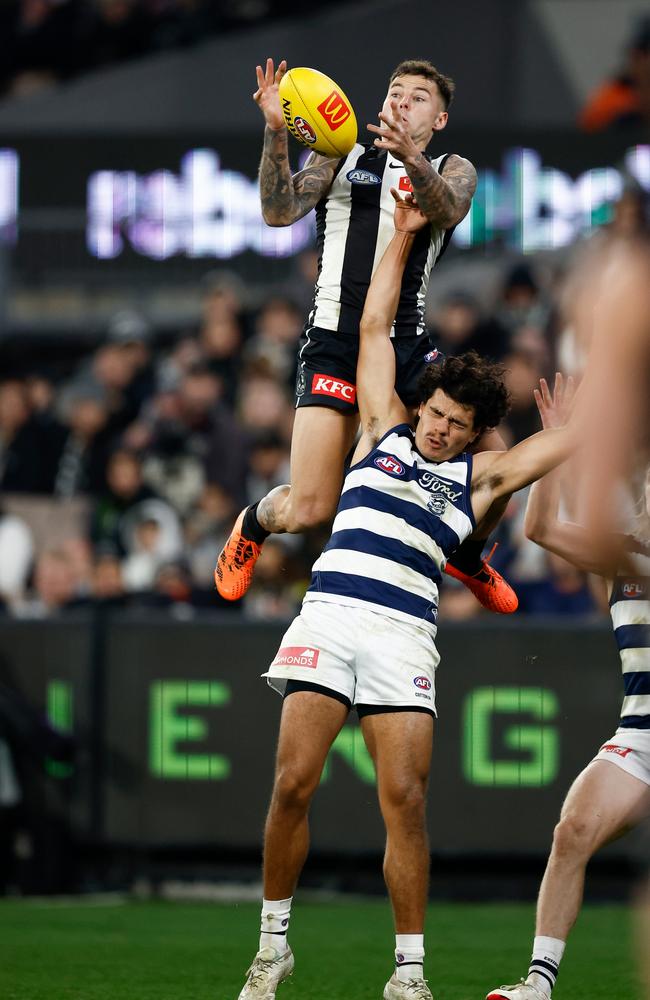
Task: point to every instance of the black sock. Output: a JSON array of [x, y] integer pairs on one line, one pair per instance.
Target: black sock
[[467, 557], [251, 527]]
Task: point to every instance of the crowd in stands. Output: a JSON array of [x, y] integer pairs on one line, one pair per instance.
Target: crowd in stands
[[44, 42], [121, 475]]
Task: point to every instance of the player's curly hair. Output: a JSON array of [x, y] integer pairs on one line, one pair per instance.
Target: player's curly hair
[[422, 67], [471, 381]]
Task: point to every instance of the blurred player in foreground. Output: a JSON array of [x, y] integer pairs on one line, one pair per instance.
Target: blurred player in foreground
[[612, 795], [354, 217], [365, 635]]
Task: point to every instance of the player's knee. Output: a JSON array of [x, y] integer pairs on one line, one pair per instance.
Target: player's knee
[[405, 799], [574, 837], [309, 511], [293, 788]]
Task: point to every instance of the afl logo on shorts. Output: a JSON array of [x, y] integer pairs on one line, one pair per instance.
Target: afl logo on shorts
[[304, 128], [358, 176], [431, 356], [389, 464], [423, 683]]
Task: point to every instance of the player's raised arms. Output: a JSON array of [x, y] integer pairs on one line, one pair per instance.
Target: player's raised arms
[[285, 198]]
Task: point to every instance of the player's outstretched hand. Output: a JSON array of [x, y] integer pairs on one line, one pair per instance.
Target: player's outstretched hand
[[394, 134], [266, 96], [555, 409], [408, 217]]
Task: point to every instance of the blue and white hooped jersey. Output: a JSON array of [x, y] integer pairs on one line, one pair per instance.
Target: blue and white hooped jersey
[[398, 520], [630, 610]]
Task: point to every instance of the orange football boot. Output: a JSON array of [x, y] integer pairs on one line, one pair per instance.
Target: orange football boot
[[234, 570], [488, 586]]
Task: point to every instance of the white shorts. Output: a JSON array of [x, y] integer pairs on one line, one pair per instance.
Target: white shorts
[[366, 657], [629, 749]]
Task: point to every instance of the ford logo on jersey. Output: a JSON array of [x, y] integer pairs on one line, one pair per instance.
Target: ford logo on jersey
[[432, 483], [358, 176], [389, 464]]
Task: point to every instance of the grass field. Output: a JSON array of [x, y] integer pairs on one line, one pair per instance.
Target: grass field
[[173, 951]]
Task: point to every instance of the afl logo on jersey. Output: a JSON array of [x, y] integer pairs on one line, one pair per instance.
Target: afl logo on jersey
[[431, 356], [307, 133], [423, 683], [633, 589], [358, 176], [389, 464]]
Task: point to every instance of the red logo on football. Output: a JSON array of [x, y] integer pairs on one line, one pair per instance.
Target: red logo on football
[[296, 656], [405, 183], [613, 748], [334, 110], [390, 465], [325, 385], [423, 683], [305, 130]]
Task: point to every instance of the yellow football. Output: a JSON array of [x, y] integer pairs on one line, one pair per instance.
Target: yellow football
[[317, 112]]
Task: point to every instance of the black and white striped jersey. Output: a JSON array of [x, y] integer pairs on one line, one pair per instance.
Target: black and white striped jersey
[[354, 225]]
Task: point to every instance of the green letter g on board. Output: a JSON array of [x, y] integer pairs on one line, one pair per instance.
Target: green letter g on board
[[535, 742]]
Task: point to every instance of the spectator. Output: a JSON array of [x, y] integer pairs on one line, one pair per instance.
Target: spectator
[[272, 349], [206, 529], [54, 586], [264, 405], [522, 376], [458, 327], [27, 447], [107, 584], [269, 464], [16, 555], [82, 459], [119, 30], [620, 100], [221, 332], [125, 489], [151, 536], [564, 591]]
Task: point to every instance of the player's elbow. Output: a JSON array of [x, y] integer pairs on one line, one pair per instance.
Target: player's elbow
[[274, 218], [373, 324], [534, 532]]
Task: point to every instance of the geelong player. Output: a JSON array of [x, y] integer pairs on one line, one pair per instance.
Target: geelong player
[[354, 217], [365, 635], [612, 794]]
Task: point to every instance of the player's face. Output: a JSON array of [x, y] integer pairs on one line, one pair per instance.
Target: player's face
[[420, 105], [445, 427]]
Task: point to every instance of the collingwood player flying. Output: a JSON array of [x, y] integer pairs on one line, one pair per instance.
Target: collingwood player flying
[[365, 635], [354, 220]]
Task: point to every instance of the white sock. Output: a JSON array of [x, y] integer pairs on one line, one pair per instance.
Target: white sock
[[409, 956], [275, 923], [545, 963]]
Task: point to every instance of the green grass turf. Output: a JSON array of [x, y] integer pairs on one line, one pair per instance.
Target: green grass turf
[[173, 951]]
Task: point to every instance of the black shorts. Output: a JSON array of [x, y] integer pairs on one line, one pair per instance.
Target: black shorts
[[327, 368]]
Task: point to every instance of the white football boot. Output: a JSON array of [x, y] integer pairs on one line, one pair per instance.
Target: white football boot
[[522, 991], [415, 989], [269, 969]]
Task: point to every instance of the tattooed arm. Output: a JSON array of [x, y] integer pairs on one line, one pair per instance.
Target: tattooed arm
[[444, 198], [286, 198]]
